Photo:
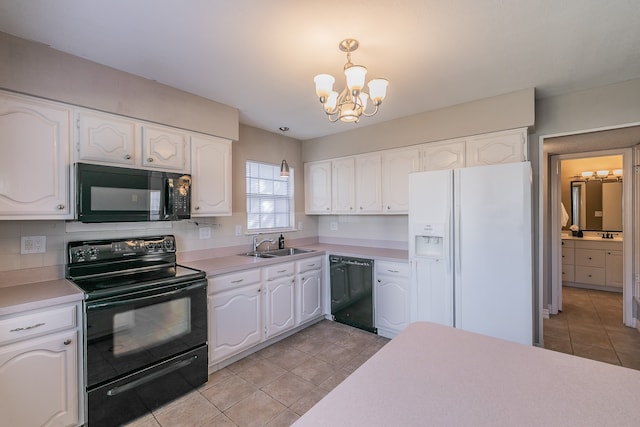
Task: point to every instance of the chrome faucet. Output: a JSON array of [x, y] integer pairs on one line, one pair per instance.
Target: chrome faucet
[[257, 244]]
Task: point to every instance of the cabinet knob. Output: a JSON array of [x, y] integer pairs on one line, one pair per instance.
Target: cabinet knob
[[197, 208], [150, 160], [361, 208], [388, 207], [67, 342], [127, 156], [327, 208], [60, 207], [589, 258]]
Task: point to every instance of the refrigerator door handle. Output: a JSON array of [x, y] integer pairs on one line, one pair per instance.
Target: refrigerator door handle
[[456, 231]]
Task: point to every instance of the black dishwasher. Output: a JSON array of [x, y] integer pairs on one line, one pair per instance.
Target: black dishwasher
[[352, 291]]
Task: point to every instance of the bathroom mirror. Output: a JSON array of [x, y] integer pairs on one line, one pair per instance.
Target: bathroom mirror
[[596, 205]]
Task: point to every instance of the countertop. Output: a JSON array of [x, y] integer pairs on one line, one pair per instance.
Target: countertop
[[232, 263], [592, 238], [433, 375], [16, 299]]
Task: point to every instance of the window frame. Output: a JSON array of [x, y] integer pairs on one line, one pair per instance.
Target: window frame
[[275, 179]]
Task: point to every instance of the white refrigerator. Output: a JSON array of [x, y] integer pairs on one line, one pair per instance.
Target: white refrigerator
[[470, 234]]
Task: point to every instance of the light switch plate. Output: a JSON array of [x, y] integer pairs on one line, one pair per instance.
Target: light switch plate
[[33, 244]]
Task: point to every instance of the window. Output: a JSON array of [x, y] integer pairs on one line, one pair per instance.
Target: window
[[269, 198]]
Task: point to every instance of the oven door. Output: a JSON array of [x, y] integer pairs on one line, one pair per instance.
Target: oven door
[[126, 334]]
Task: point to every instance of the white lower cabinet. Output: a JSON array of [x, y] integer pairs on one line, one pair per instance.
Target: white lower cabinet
[[252, 306], [235, 314], [279, 299], [391, 298], [40, 370], [309, 289]]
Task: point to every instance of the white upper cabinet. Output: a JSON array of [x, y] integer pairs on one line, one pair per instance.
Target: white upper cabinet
[[164, 148], [211, 173], [34, 166], [497, 147], [443, 155], [368, 183], [396, 167], [375, 183], [317, 194], [106, 138], [343, 185]]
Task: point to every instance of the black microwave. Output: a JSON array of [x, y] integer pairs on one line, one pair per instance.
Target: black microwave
[[113, 194]]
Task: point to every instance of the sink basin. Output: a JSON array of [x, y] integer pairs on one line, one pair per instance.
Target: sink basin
[[278, 253], [288, 251], [259, 254]]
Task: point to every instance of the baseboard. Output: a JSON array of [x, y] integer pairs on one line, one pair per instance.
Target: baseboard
[[545, 313]]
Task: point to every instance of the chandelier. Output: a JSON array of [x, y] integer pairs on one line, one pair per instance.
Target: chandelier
[[351, 103]]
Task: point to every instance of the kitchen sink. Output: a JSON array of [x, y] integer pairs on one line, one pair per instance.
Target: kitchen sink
[[278, 253]]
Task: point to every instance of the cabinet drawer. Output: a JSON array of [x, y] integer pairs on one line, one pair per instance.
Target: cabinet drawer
[[567, 255], [233, 280], [590, 275], [567, 243], [568, 273], [309, 264], [278, 270], [589, 257], [392, 268], [34, 324]]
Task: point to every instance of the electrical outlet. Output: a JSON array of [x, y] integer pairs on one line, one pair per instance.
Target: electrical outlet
[[333, 226], [238, 230], [33, 244], [205, 232], [300, 225]]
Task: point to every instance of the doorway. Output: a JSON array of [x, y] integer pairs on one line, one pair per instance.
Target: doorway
[[611, 141], [590, 187]]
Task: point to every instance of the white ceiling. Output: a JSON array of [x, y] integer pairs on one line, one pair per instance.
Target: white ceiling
[[261, 56]]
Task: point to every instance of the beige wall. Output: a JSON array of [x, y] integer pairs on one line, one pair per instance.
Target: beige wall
[[508, 111], [38, 70]]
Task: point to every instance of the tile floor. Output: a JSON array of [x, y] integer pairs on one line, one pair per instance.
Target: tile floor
[[274, 386], [590, 326]]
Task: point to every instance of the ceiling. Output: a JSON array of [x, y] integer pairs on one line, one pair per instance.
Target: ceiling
[[261, 56]]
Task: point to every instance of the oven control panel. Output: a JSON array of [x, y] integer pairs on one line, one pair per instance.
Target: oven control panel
[[98, 250]]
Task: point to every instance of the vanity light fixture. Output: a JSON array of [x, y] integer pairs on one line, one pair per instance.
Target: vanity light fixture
[[602, 173], [617, 172], [351, 103], [587, 174]]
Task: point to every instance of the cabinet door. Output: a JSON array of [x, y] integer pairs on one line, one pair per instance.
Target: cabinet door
[[39, 381], [104, 138], [164, 149], [235, 321], [211, 173], [279, 305], [343, 185], [309, 291], [497, 147], [614, 271], [392, 303], [317, 177], [34, 166], [396, 167], [443, 155], [392, 297], [368, 180]]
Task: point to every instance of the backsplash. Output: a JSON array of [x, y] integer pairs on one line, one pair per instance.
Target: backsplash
[[18, 268]]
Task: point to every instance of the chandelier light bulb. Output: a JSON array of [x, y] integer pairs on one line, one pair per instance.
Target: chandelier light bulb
[[324, 85], [355, 77], [378, 90]]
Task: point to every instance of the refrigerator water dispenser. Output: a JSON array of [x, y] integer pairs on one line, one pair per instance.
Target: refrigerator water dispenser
[[429, 240]]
